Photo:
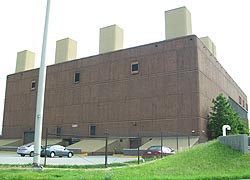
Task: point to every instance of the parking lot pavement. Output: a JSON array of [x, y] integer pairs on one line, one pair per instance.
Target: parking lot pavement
[[13, 158]]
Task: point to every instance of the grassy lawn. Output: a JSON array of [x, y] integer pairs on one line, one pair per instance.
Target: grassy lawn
[[206, 161]]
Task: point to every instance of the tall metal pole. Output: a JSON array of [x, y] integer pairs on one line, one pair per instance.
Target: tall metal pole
[[40, 94]]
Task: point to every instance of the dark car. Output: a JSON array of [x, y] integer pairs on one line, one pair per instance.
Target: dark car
[[56, 150], [155, 152]]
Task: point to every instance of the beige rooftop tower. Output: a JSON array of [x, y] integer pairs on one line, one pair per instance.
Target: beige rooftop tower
[[66, 50], [25, 61], [177, 23], [209, 44], [111, 39]]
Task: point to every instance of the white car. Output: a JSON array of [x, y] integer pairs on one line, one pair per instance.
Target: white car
[[155, 151], [27, 149]]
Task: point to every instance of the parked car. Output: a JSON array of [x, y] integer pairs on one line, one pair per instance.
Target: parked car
[[155, 152], [27, 149], [56, 150]]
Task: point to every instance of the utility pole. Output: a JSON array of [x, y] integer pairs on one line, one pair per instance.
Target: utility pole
[[40, 95]]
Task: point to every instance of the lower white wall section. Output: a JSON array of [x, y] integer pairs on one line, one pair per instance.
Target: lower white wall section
[[238, 142]]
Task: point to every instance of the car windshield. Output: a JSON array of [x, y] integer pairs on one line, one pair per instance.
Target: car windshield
[[156, 148], [28, 145]]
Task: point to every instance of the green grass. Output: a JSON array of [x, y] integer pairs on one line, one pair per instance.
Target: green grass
[[206, 161], [95, 166]]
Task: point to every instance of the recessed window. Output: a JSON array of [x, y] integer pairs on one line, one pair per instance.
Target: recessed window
[[239, 99], [134, 68], [77, 77], [243, 103], [58, 131], [247, 106], [33, 85], [92, 130]]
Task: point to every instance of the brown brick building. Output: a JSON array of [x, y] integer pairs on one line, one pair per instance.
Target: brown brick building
[[164, 86]]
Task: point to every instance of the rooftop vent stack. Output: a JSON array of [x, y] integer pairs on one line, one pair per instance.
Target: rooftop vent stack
[[209, 44], [66, 50], [111, 39], [178, 23], [25, 61]]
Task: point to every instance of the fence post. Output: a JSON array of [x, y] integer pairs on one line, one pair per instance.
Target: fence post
[[106, 148], [46, 143], [189, 141], [161, 144], [177, 142], [138, 149]]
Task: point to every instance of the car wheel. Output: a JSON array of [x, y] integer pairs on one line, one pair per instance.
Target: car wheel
[[52, 154], [70, 154], [22, 155], [31, 154]]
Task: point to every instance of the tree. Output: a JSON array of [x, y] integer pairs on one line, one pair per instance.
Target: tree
[[222, 113]]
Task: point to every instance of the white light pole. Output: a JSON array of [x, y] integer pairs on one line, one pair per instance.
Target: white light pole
[[40, 94]]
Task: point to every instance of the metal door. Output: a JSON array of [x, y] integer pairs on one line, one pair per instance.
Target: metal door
[[28, 137]]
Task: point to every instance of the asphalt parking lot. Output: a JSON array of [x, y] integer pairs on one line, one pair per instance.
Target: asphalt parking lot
[[13, 158]]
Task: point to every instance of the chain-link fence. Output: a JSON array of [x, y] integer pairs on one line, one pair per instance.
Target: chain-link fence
[[114, 149], [103, 150]]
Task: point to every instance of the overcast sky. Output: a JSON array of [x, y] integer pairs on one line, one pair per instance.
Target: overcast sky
[[225, 22]]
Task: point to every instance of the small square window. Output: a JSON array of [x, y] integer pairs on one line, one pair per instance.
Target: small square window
[[134, 68], [77, 77], [33, 85], [92, 130]]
